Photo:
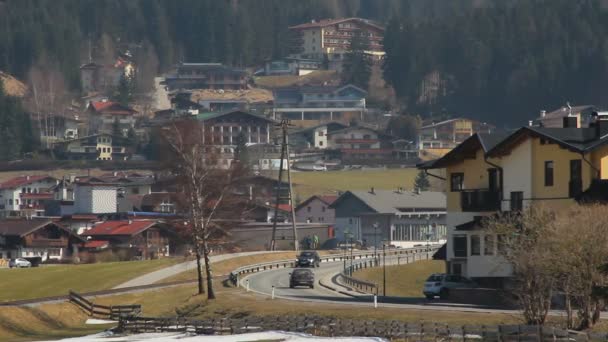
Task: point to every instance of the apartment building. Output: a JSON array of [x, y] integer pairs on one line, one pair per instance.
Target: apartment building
[[332, 37], [489, 174], [25, 195], [360, 143], [313, 105]]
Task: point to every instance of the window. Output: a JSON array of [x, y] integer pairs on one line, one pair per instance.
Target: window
[[320, 143], [321, 133], [322, 209], [475, 245], [456, 181], [135, 190], [54, 252], [10, 202], [460, 246], [488, 248], [308, 209], [457, 269], [517, 200], [350, 221], [549, 173]]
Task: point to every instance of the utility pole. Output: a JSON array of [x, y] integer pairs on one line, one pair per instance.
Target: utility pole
[[384, 269], [284, 124]]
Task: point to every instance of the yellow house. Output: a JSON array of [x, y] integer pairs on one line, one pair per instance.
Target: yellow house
[[492, 173], [94, 147]]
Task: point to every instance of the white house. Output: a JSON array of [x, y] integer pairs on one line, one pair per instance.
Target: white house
[[25, 195]]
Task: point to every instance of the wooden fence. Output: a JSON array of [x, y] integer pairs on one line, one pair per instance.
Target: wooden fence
[[113, 312], [327, 326]]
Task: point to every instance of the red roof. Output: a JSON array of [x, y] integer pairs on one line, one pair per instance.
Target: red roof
[[285, 207], [21, 181], [328, 199], [96, 244], [119, 228], [109, 107], [328, 22]]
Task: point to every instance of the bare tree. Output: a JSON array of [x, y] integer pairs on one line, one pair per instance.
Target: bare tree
[[207, 187]]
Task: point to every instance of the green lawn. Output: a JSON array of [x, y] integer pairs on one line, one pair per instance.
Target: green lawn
[[404, 280], [330, 182], [44, 281]]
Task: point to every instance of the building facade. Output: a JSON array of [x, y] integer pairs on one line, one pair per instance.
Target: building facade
[[490, 174], [438, 138], [102, 146], [206, 76], [332, 37], [25, 195], [316, 209]]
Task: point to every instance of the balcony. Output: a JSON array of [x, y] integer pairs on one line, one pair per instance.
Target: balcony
[[479, 200], [356, 141], [47, 243]]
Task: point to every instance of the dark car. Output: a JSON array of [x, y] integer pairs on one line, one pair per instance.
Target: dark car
[[301, 277], [308, 259]]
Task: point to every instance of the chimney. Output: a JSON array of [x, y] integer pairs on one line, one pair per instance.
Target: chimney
[[543, 113]]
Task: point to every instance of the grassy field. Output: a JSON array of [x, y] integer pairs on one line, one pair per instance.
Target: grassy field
[[405, 280], [27, 283], [330, 182]]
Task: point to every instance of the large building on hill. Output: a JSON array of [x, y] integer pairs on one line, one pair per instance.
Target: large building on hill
[[492, 174], [332, 37]]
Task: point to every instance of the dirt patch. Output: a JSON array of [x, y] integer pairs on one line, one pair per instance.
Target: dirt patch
[[13, 86], [253, 95], [320, 77]]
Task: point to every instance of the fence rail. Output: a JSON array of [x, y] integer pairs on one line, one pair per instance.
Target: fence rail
[[113, 312], [328, 326], [408, 256]]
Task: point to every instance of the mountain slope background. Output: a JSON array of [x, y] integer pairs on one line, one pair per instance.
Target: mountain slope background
[[497, 60]]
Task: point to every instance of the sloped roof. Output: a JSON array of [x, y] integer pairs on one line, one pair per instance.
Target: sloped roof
[[328, 22], [22, 227], [96, 244], [390, 201], [110, 107], [327, 199], [22, 180], [564, 111], [128, 228], [217, 115], [470, 146]]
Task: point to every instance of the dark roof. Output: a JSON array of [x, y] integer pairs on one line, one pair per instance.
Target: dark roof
[[327, 199], [564, 111], [575, 139], [22, 227], [328, 22], [465, 149], [217, 115], [213, 67], [390, 201]]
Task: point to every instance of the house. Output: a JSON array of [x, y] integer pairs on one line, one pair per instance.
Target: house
[[96, 77], [37, 237], [290, 66], [223, 131], [103, 115], [102, 146], [314, 137], [262, 189], [358, 143], [145, 239], [332, 38], [313, 105], [26, 195], [93, 196], [161, 202], [583, 115], [490, 174], [317, 209], [206, 76], [437, 138], [393, 217], [183, 106]]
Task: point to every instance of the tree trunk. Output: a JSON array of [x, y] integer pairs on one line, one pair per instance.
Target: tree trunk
[[199, 272], [210, 292]]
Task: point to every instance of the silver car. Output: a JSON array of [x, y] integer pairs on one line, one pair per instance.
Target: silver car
[[440, 285], [19, 263]]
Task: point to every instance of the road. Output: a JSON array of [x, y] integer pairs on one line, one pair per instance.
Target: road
[[262, 282]]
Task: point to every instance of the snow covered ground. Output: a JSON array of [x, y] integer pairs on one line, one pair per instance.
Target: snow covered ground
[[251, 337]]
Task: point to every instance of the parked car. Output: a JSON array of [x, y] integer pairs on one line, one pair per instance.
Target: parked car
[[301, 277], [440, 285], [308, 259], [19, 262]]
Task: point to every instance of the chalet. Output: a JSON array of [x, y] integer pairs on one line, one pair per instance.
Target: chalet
[[490, 174], [395, 217], [103, 115], [146, 239], [332, 38], [317, 209], [358, 143], [313, 105], [103, 146], [37, 238], [25, 195], [206, 76]]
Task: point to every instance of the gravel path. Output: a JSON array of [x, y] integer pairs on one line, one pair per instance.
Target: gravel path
[[170, 271]]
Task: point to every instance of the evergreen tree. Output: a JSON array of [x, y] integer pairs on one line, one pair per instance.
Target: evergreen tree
[[116, 130], [124, 91], [421, 182], [16, 136], [356, 69]]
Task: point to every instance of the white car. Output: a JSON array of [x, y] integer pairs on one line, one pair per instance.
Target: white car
[[19, 262], [440, 285]]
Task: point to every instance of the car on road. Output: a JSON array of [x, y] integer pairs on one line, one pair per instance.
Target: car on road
[[301, 277], [308, 259], [19, 263], [439, 284]]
